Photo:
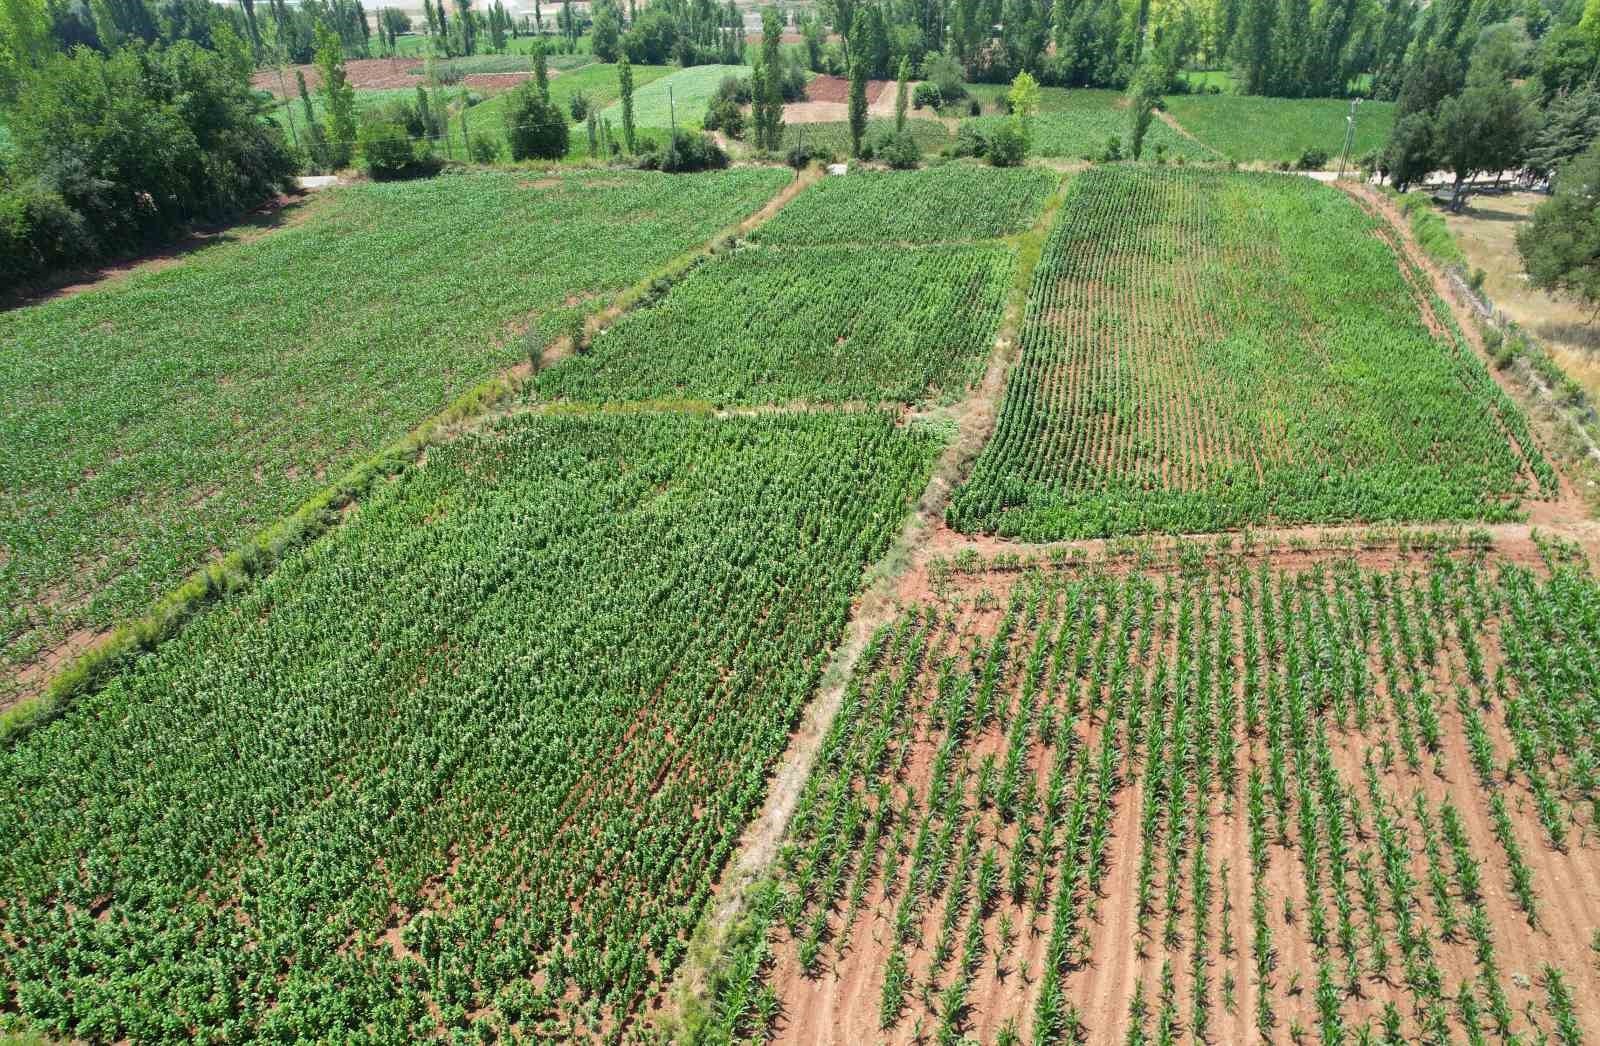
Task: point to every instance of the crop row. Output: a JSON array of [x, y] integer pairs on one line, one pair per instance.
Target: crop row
[[154, 421], [1212, 804], [408, 778], [776, 325], [1204, 350]]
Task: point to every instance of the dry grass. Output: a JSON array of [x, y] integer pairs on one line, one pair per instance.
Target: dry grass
[[1486, 231]]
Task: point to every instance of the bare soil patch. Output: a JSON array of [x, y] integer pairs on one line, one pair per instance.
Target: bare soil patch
[[378, 74]]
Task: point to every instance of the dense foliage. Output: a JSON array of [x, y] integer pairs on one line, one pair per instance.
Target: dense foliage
[[834, 323], [950, 202], [1291, 789], [1204, 350], [112, 154], [155, 421], [408, 777]]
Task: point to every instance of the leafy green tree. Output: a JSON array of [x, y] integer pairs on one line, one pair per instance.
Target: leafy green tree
[[24, 42], [1484, 128], [1560, 247], [536, 129], [541, 70], [1253, 47], [1023, 98], [339, 98], [606, 41], [625, 80], [902, 96], [1409, 154], [1571, 125], [1144, 95], [767, 102], [858, 105]]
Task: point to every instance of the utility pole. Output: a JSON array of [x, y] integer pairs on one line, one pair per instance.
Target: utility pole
[[672, 143], [1349, 135]]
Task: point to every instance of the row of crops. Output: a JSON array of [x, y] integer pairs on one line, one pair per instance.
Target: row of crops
[[153, 421], [835, 302], [472, 761], [777, 325], [1223, 803], [1204, 350]]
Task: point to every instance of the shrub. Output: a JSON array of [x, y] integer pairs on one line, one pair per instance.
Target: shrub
[[1112, 152], [688, 152], [900, 151], [534, 127], [725, 115], [1006, 145], [579, 105], [974, 107], [40, 232], [393, 145], [970, 141], [486, 149], [926, 95], [1313, 160]]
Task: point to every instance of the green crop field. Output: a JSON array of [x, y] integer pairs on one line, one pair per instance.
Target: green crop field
[[408, 778], [159, 420], [1272, 130], [834, 138], [826, 324], [690, 89], [1077, 123], [1205, 350], [1144, 793], [948, 202]]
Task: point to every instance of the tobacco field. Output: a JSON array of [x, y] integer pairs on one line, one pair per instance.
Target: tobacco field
[[407, 778], [1204, 350], [1222, 801], [821, 324], [950, 202], [158, 420]]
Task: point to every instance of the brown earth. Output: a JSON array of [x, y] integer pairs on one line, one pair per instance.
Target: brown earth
[[376, 74]]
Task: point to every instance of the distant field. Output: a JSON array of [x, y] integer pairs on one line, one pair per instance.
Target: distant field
[[1270, 130], [1077, 123], [159, 420], [690, 90], [930, 135], [820, 324], [1205, 350], [598, 82], [950, 201], [420, 732]]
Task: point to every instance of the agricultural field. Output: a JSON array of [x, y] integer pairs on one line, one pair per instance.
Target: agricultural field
[[834, 138], [821, 324], [598, 82], [690, 90], [159, 420], [950, 202], [1274, 130], [1077, 123], [405, 786], [1206, 350], [1201, 800]]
